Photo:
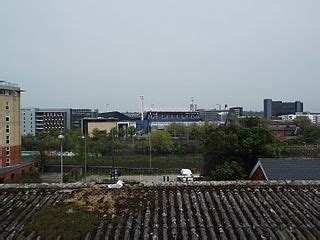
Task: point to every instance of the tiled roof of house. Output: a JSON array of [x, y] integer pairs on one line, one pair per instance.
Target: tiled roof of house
[[198, 211], [291, 169], [282, 127]]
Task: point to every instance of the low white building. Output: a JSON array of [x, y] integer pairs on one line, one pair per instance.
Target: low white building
[[313, 117]]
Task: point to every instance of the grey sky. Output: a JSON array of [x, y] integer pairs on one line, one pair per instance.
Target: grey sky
[[92, 53]]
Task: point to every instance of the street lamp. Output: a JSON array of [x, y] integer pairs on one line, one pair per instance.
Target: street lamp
[[85, 158], [113, 163], [61, 137], [150, 149]]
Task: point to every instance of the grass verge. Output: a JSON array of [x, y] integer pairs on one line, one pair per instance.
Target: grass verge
[[70, 222], [139, 161]]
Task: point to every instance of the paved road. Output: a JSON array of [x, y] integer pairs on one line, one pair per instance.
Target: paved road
[[55, 177]]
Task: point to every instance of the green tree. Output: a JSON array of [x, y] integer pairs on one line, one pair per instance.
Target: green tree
[[99, 143], [45, 142], [121, 133], [230, 170], [240, 144], [302, 122], [161, 142], [141, 147], [177, 130], [28, 142], [193, 132], [311, 134], [132, 131]]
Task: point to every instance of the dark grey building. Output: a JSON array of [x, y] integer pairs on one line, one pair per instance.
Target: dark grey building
[[215, 115], [278, 108], [212, 115], [79, 114]]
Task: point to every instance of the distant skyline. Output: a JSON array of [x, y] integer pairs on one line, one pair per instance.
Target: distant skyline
[[87, 54]]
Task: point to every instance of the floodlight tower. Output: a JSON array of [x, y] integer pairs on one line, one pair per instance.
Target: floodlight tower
[[141, 98], [192, 108]]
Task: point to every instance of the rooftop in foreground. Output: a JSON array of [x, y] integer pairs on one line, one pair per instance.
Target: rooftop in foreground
[[207, 210]]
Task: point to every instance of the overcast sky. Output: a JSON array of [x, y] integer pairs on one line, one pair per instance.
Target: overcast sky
[[92, 53]]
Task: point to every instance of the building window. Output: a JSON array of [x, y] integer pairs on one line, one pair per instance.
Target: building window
[[7, 119], [7, 139]]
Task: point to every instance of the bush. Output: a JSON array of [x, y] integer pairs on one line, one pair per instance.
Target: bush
[[192, 147], [141, 147], [179, 149], [161, 142]]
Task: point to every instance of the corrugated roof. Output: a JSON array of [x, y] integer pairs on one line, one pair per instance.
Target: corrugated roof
[[261, 211]]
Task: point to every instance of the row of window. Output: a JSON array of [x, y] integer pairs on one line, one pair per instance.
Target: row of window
[[7, 107], [8, 92], [53, 114], [173, 116]]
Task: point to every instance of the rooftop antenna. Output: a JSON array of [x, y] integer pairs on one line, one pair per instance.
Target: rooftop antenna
[[142, 98]]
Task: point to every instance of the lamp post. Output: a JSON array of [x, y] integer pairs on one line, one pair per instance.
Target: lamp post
[[150, 149], [113, 163], [85, 158], [61, 137]]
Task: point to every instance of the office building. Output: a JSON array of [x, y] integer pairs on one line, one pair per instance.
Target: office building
[[238, 111], [53, 118], [101, 124], [78, 114], [277, 108], [28, 121], [313, 117], [219, 116], [35, 120]]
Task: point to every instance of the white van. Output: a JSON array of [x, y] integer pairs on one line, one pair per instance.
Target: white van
[[185, 175]]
